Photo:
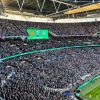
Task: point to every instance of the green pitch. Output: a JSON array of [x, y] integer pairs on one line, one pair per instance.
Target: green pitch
[[94, 94], [90, 90]]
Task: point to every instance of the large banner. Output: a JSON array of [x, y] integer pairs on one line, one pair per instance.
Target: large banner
[[37, 34]]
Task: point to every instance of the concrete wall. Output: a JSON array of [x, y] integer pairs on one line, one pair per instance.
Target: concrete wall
[[46, 19], [77, 20]]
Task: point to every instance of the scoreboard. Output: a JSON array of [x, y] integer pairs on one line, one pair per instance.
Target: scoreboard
[[37, 33]]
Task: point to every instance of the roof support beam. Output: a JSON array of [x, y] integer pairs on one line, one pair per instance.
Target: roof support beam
[[56, 8], [63, 2], [20, 5], [38, 4], [40, 8], [58, 12], [2, 2]]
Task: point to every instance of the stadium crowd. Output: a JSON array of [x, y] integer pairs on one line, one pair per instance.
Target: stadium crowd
[[24, 77], [16, 28]]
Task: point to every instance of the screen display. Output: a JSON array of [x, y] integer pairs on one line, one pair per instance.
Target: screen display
[[37, 34]]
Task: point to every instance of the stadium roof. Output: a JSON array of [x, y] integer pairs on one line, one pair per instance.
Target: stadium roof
[[44, 7], [85, 8]]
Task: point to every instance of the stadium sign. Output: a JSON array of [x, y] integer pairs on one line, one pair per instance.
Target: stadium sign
[[37, 34]]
